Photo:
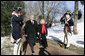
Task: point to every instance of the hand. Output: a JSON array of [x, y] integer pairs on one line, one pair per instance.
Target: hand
[[38, 33]]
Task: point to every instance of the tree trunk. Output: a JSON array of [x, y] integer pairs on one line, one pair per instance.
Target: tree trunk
[[75, 18], [42, 9]]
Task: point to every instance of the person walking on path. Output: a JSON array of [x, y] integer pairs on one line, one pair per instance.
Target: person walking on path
[[42, 28], [31, 28]]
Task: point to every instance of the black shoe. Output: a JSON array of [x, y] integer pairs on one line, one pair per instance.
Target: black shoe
[[32, 51], [65, 46], [45, 47]]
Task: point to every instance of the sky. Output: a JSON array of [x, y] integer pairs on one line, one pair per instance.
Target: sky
[[70, 6]]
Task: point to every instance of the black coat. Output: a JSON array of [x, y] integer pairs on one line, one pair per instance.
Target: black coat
[[16, 26], [42, 37], [31, 31]]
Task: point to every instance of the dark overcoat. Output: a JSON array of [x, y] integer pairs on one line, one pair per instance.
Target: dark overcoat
[[31, 31], [43, 40], [16, 26]]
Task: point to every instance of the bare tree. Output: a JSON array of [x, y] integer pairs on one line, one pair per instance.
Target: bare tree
[[44, 9], [75, 18]]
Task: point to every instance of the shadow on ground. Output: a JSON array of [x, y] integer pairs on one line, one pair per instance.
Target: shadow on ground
[[57, 40], [43, 52], [80, 42]]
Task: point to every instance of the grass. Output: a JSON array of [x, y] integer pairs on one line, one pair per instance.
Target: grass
[[76, 49]]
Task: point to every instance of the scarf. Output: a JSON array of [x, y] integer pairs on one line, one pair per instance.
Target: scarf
[[43, 29]]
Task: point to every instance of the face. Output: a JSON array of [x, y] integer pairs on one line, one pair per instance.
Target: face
[[42, 21], [32, 17], [67, 16]]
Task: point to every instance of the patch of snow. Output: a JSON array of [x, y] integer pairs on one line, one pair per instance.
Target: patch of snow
[[3, 40]]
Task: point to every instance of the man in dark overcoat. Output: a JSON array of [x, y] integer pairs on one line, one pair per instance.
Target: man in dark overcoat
[[31, 27]]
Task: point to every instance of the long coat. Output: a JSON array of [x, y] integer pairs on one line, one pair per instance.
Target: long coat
[[31, 31], [43, 40], [16, 26]]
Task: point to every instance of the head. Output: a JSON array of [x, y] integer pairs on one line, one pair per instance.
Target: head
[[32, 17], [67, 15], [42, 21]]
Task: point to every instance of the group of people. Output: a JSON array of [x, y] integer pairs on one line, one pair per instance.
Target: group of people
[[35, 31], [32, 29]]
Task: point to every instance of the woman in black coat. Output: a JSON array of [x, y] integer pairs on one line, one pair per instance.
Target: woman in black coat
[[16, 19], [42, 28], [31, 32]]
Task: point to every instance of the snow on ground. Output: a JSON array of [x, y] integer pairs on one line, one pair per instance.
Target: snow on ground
[[3, 40], [6, 46], [56, 33]]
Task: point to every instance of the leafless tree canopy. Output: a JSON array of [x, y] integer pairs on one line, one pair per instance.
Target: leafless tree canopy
[[45, 9]]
